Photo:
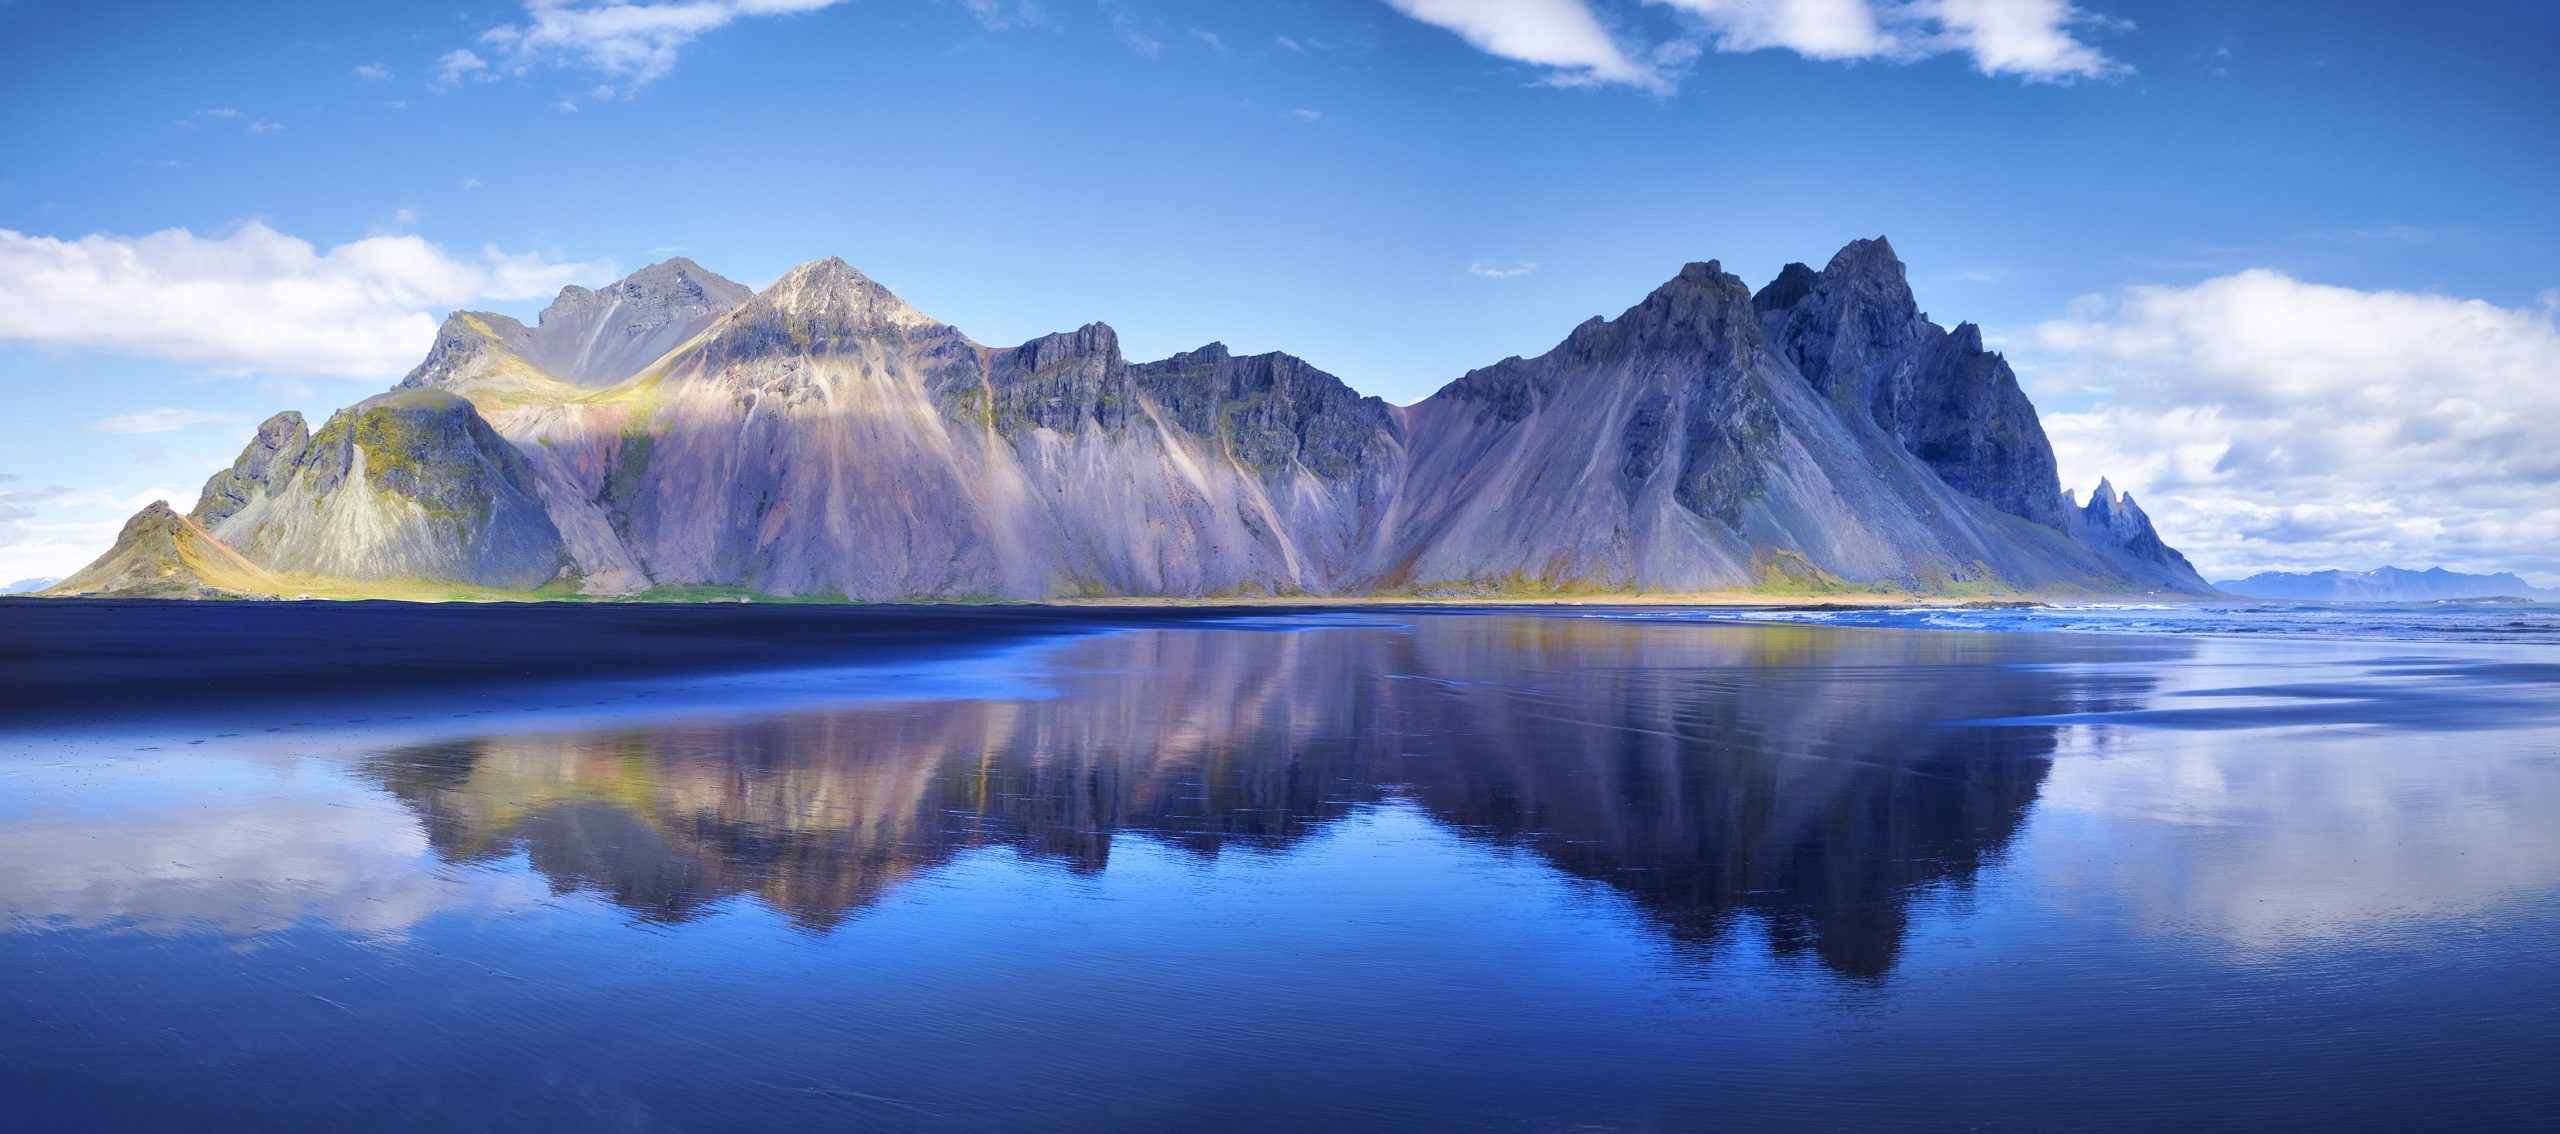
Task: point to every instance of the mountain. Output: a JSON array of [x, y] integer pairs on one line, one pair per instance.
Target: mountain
[[27, 586], [823, 437], [161, 554], [2387, 584]]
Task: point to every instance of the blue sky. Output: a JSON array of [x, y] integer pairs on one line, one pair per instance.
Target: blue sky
[[2286, 270]]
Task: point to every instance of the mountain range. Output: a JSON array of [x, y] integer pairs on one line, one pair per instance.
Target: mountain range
[[675, 431], [2387, 584]]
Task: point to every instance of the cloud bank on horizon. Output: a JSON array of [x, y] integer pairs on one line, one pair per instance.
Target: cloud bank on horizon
[[2280, 423]]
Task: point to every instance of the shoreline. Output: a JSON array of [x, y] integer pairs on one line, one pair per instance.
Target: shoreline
[[108, 657]]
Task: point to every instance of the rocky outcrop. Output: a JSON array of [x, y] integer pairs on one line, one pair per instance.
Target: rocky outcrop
[[161, 554], [1854, 332], [271, 454], [597, 338], [1706, 439], [824, 437], [406, 485], [2119, 531]]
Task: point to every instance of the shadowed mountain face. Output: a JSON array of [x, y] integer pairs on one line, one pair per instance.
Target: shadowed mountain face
[[823, 437], [1801, 779]]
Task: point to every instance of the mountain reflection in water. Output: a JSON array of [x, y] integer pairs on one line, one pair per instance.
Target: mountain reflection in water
[[1804, 778]]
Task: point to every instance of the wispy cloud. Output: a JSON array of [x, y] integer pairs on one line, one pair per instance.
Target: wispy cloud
[[460, 63], [1004, 15], [1131, 29], [1494, 270], [254, 300], [1583, 44], [636, 43], [1561, 35], [372, 72], [163, 420]]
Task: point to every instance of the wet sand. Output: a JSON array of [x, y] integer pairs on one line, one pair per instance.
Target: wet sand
[[73, 658]]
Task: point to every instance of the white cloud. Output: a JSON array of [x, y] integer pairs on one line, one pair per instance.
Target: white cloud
[[1131, 30], [1563, 35], [998, 15], [254, 299], [1816, 29], [453, 65], [265, 126], [163, 420], [1488, 269], [635, 42], [373, 73], [1303, 114], [2033, 39], [2029, 38], [2271, 423]]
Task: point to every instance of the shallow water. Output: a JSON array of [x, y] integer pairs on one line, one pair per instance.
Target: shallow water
[[1522, 871]]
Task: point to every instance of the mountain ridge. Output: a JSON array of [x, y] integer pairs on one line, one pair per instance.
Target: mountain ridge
[[822, 436], [2385, 584]]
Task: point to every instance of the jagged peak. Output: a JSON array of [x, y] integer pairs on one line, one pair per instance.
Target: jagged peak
[[158, 513], [1794, 283], [1967, 338], [1874, 258], [481, 325], [1095, 338], [1701, 298], [833, 286], [282, 422], [676, 279]]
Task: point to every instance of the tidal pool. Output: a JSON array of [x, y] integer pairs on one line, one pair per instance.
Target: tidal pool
[[1395, 871]]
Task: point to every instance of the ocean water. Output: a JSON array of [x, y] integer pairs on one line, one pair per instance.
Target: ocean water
[[2088, 868]]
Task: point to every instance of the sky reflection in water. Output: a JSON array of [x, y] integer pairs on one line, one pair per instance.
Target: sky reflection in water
[[1446, 870]]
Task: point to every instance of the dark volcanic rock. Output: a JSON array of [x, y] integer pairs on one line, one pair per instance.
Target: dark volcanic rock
[[1854, 331], [1271, 410], [277, 446], [2118, 529]]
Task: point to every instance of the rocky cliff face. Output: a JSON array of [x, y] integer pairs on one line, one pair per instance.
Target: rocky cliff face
[[411, 484], [825, 437], [596, 338], [2121, 533], [1820, 434], [1854, 333]]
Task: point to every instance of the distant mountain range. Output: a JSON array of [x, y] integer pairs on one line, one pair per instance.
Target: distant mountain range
[[27, 586], [2388, 584], [676, 432]]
